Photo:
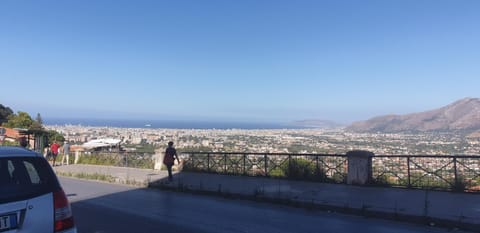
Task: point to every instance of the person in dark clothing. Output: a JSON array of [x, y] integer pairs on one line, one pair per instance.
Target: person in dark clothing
[[23, 142], [169, 159]]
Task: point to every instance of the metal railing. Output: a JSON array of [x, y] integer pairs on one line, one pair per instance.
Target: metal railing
[[438, 172], [455, 173], [119, 159], [452, 173], [315, 167]]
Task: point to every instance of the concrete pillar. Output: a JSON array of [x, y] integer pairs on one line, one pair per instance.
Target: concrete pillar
[[359, 167], [77, 157], [158, 158]]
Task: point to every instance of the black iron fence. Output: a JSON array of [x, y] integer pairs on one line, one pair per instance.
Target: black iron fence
[[453, 173], [314, 167], [119, 159], [439, 172], [457, 173]]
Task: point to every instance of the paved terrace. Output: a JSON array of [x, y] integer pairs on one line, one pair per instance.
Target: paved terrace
[[456, 210]]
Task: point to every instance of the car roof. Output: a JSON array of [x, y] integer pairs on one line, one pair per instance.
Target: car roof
[[13, 151]]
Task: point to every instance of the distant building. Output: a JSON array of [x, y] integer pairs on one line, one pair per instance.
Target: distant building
[[34, 139], [9, 135], [107, 144]]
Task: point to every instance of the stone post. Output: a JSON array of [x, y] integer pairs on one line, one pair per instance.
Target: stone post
[[158, 158], [77, 156], [359, 167]]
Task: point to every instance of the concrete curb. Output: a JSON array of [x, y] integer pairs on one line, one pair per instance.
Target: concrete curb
[[364, 212]]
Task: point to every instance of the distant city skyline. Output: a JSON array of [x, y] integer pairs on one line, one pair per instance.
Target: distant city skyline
[[242, 61]]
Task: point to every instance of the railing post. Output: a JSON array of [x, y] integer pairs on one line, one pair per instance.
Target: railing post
[[244, 164], [408, 173], [225, 163], [289, 165], [359, 167], [455, 170], [266, 165], [192, 160], [208, 162]]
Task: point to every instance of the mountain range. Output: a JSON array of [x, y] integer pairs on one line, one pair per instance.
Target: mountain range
[[462, 115]]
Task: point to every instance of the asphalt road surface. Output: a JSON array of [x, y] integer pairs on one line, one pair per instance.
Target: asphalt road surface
[[109, 208]]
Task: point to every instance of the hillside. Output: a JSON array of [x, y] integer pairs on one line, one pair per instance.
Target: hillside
[[462, 115]]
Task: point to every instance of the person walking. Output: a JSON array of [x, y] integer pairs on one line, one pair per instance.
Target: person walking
[[46, 152], [169, 159], [54, 150], [66, 153]]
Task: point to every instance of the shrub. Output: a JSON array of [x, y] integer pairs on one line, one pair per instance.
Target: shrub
[[302, 169], [381, 180], [120, 160], [277, 172]]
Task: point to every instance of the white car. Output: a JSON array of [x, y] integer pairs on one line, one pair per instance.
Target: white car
[[31, 198]]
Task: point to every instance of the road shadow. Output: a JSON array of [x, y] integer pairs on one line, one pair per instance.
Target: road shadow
[[424, 207], [122, 208]]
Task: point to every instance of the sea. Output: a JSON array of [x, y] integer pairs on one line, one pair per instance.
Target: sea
[[170, 124]]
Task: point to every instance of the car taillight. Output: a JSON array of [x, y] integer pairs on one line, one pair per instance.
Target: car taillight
[[63, 212]]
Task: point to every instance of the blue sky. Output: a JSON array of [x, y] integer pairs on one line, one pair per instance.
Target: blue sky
[[248, 60]]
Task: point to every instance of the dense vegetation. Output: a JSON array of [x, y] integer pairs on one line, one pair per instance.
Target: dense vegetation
[[136, 160], [22, 120], [5, 112]]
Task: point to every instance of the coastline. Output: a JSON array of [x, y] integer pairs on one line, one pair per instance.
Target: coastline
[[171, 124]]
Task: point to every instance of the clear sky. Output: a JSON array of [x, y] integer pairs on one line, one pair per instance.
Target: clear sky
[[247, 60]]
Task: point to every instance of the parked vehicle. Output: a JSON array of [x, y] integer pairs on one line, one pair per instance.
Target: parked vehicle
[[31, 198]]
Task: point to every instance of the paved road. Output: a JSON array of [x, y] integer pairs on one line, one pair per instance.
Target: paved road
[[105, 208]]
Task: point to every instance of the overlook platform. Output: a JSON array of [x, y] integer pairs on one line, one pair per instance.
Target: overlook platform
[[440, 208]]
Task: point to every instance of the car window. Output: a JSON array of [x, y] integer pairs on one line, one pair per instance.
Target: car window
[[25, 177], [32, 172]]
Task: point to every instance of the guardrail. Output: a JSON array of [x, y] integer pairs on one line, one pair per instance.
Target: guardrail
[[450, 173], [455, 173], [436, 172], [119, 159], [325, 168]]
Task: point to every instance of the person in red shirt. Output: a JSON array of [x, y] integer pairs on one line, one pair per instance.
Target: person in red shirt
[[54, 149]]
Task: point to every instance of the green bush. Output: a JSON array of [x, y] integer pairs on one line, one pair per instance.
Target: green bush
[[381, 180], [461, 184], [116, 159], [295, 168], [277, 172], [301, 169], [8, 143], [337, 177]]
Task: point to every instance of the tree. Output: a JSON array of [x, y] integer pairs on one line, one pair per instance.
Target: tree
[[39, 119], [55, 136], [19, 120], [38, 123], [5, 112]]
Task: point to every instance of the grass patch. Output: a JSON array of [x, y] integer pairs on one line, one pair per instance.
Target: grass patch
[[86, 176], [104, 178]]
